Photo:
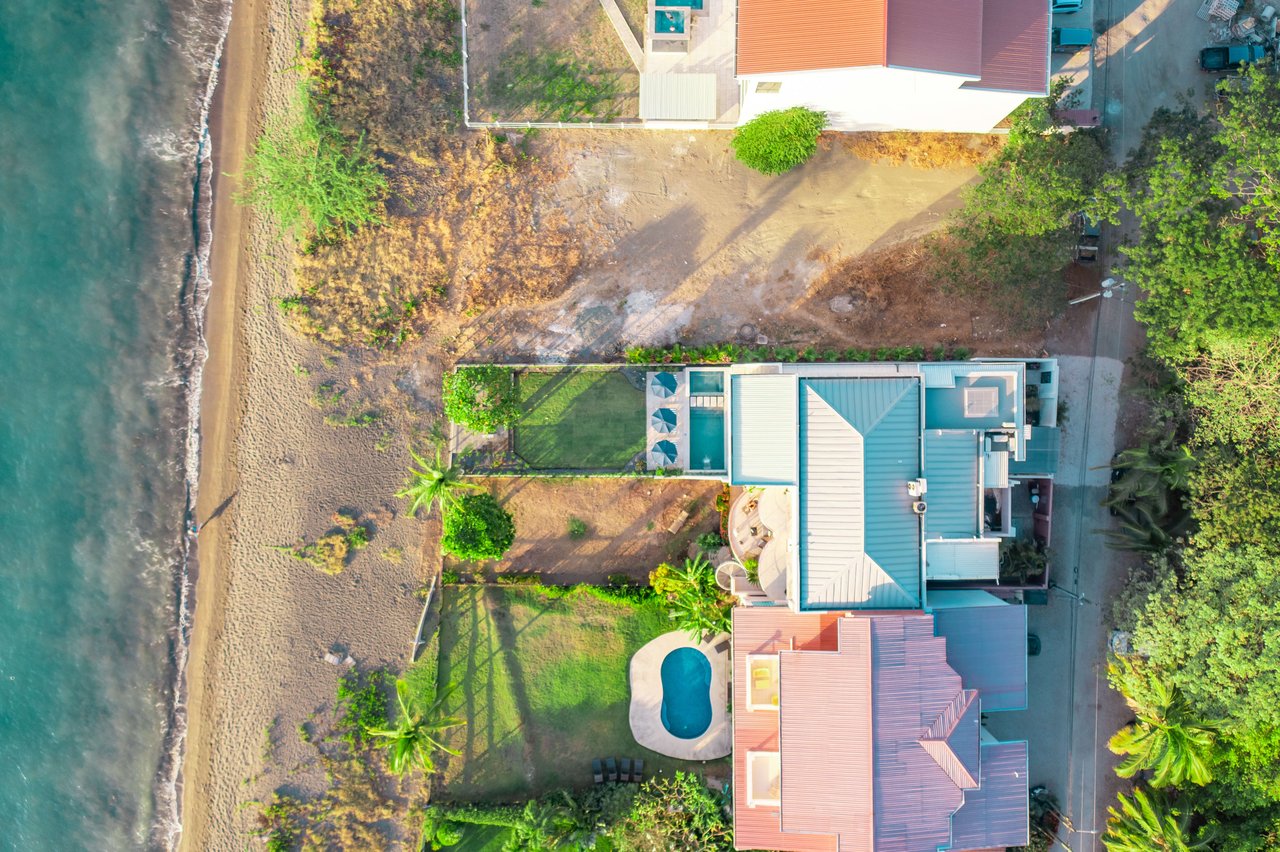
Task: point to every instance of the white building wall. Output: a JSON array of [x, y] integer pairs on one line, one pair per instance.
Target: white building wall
[[881, 99]]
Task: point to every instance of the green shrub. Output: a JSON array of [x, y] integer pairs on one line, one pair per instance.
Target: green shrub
[[519, 580], [311, 179], [481, 398], [751, 566], [477, 527], [449, 577], [577, 528], [361, 704], [778, 141], [710, 542]]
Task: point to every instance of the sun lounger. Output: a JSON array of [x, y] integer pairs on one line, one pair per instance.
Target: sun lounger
[[597, 771], [638, 774], [626, 770], [612, 766]]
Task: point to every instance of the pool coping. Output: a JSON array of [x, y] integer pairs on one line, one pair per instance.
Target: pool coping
[[646, 699]]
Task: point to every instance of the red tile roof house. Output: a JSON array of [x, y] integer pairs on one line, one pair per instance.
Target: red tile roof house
[[940, 65], [862, 731]]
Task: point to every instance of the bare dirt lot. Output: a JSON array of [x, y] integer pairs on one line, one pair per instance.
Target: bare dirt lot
[[695, 247], [626, 525]]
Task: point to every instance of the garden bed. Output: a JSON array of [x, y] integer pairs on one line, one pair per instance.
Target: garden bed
[[542, 680]]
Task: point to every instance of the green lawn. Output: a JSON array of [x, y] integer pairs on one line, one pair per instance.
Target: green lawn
[[543, 683], [579, 419]]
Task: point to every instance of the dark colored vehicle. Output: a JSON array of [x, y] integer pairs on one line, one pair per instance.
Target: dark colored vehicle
[[1071, 39], [1229, 57], [1088, 241]]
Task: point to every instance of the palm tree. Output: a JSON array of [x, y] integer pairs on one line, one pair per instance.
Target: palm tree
[[1148, 823], [416, 736], [697, 604], [1167, 738], [430, 483]]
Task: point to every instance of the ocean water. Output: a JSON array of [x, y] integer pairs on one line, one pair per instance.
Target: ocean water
[[102, 209]]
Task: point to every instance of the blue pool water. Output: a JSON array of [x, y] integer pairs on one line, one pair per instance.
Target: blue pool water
[[704, 382], [683, 4], [668, 22], [706, 439], [686, 693]]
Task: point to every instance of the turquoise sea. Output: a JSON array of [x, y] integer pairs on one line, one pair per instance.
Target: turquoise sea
[[102, 210]]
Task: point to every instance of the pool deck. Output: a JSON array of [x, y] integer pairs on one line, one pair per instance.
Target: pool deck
[[646, 699], [712, 44]]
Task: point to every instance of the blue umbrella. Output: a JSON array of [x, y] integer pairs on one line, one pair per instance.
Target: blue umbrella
[[663, 384], [666, 452], [663, 420]]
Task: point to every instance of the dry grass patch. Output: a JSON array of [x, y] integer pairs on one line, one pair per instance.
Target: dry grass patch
[[922, 150]]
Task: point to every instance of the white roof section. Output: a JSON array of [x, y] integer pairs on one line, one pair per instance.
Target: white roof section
[[976, 559], [678, 97], [763, 428]]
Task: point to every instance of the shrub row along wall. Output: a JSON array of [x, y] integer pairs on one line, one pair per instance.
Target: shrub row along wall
[[729, 353]]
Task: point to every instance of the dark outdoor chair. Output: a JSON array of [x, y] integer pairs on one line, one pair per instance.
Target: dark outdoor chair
[[638, 774], [611, 766], [626, 770], [597, 771]]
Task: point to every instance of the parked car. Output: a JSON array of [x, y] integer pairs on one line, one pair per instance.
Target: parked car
[[1088, 239], [1229, 57], [1071, 39], [1066, 7]]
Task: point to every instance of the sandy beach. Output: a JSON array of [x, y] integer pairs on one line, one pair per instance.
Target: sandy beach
[[271, 474]]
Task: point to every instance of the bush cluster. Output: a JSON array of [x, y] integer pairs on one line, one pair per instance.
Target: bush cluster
[[477, 527], [778, 141], [482, 398], [730, 353]]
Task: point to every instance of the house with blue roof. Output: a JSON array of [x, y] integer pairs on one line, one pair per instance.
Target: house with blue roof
[[861, 486]]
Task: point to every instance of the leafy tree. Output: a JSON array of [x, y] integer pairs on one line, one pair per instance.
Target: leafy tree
[[1168, 738], [416, 735], [1148, 822], [675, 813], [433, 482], [1196, 259], [1233, 387], [1249, 133], [309, 177], [477, 527], [1237, 497], [482, 398], [694, 600], [778, 141]]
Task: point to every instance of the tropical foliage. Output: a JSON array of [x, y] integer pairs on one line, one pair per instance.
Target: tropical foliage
[[415, 736], [778, 141], [431, 482], [477, 527], [728, 353], [306, 174], [482, 398], [1147, 822], [694, 601], [1167, 739]]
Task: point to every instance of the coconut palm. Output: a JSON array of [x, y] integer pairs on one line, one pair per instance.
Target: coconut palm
[[1167, 738], [430, 483], [695, 602], [1149, 823], [415, 738]]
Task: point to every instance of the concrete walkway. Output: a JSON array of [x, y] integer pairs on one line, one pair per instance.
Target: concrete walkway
[[646, 699], [628, 38]]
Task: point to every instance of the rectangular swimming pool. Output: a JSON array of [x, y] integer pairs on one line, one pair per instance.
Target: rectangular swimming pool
[[706, 440], [681, 4], [705, 382], [668, 22]]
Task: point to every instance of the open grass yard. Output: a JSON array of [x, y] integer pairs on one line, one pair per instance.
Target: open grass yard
[[580, 418], [543, 684], [550, 60], [625, 524]]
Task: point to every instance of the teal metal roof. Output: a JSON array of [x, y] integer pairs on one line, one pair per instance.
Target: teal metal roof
[[951, 468], [1042, 453], [860, 540], [975, 402], [763, 415]]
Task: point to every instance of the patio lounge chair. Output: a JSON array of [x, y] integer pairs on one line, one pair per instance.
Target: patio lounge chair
[[597, 771], [638, 775], [612, 766], [626, 770]]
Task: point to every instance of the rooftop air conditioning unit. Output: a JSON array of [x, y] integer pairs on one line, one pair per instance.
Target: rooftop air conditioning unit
[[919, 507], [917, 487]]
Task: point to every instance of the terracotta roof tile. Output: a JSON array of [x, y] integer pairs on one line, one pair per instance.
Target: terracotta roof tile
[[808, 35]]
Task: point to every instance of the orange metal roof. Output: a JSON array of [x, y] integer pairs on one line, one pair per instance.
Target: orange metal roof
[[809, 35]]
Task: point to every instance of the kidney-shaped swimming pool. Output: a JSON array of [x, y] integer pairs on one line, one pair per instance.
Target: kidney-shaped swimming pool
[[686, 693]]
